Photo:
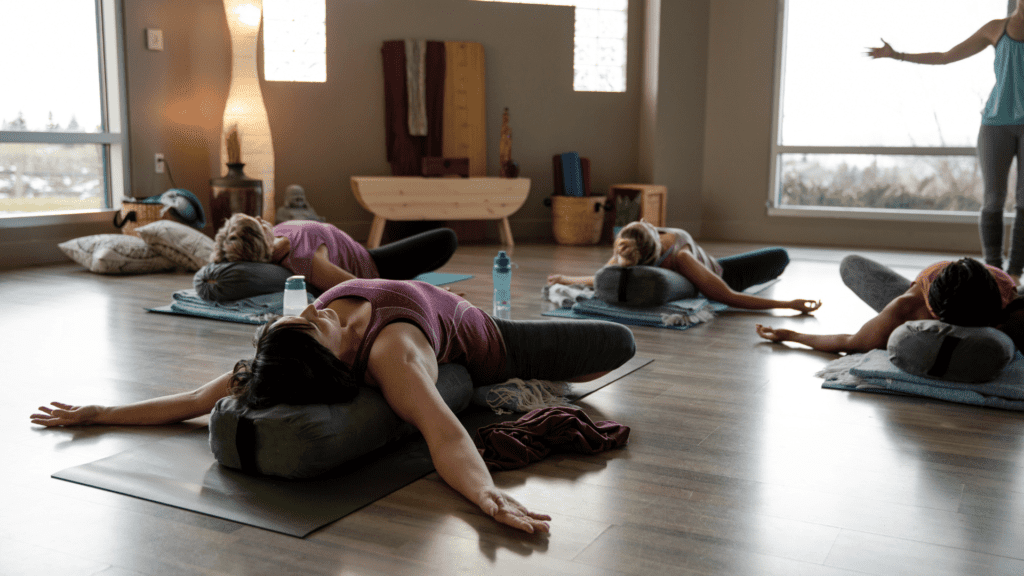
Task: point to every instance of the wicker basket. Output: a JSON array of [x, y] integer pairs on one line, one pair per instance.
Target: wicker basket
[[134, 214], [577, 220]]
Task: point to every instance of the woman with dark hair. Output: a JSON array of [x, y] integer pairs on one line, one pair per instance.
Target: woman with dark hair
[[722, 280], [393, 335], [327, 256], [964, 293]]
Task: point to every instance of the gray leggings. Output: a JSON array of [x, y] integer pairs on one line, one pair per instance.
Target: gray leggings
[[563, 349], [874, 283], [997, 147]]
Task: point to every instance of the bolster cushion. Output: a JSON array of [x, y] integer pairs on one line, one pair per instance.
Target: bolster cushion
[[641, 285], [309, 440], [935, 349], [228, 281]]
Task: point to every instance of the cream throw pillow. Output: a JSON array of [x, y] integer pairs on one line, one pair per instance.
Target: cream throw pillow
[[185, 246], [115, 254]]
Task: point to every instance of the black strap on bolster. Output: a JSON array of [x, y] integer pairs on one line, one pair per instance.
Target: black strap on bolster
[[623, 284], [245, 445], [944, 356]]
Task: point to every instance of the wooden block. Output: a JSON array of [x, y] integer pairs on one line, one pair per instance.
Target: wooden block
[[438, 166]]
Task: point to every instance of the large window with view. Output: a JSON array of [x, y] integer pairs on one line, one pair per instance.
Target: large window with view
[[62, 142], [879, 138], [599, 42]]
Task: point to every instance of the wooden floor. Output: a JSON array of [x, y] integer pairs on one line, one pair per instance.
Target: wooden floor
[[738, 462]]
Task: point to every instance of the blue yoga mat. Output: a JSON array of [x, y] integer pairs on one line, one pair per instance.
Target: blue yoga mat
[[572, 174], [873, 372], [257, 309]]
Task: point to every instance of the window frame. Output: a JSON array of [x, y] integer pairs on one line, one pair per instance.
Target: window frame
[[114, 137], [777, 150]]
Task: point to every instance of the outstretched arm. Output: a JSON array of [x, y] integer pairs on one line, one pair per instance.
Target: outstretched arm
[[403, 364], [162, 410], [986, 36], [716, 289], [585, 280], [874, 334]]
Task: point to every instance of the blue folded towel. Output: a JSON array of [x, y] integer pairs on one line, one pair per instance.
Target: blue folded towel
[[873, 372], [572, 174]]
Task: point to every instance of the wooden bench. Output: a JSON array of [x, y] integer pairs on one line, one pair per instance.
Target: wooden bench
[[416, 198]]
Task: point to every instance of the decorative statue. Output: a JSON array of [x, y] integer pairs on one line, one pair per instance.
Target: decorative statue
[[295, 206], [509, 168]]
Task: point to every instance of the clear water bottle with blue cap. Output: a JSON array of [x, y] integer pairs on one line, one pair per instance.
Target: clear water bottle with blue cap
[[295, 300], [502, 286]]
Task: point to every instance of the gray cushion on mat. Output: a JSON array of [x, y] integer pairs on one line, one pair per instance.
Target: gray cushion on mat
[[307, 441], [935, 349], [228, 281], [641, 285]]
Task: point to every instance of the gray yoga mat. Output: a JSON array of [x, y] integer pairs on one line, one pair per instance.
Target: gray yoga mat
[[181, 471]]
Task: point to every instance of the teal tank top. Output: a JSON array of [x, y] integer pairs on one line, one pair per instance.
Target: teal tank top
[[1005, 105]]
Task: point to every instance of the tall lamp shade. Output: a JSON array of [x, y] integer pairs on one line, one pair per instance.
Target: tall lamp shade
[[245, 107]]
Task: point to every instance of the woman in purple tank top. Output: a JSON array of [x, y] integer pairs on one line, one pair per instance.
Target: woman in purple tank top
[[393, 335], [327, 256]]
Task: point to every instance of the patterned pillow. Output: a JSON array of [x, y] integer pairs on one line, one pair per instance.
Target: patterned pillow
[[185, 246], [115, 254]]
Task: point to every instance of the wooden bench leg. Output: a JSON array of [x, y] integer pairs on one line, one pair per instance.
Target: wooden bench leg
[[376, 232], [505, 233]]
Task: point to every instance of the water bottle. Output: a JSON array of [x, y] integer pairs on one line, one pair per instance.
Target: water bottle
[[295, 295], [502, 286]]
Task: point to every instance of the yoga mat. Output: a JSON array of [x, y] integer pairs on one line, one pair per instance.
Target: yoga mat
[[181, 471], [256, 309]]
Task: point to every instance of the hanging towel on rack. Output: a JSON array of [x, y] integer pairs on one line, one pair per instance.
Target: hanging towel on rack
[[404, 150]]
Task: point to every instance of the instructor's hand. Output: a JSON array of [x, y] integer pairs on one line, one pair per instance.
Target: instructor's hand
[[60, 414], [508, 511], [885, 51]]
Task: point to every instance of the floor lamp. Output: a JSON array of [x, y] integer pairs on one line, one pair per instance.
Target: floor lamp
[[244, 107]]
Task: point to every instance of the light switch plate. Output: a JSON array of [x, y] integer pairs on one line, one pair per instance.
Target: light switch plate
[[154, 39]]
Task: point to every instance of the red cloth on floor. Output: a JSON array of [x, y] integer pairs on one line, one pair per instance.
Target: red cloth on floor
[[510, 445]]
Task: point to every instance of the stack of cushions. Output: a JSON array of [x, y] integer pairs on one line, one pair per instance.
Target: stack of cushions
[[161, 246]]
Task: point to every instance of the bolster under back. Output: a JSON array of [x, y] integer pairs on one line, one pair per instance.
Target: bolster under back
[[935, 349], [228, 281], [641, 285], [310, 440]]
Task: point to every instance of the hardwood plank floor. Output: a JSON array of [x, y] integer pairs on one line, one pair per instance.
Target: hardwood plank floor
[[738, 462]]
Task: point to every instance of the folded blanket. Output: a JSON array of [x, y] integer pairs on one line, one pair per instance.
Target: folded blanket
[[254, 310], [873, 372], [510, 445]]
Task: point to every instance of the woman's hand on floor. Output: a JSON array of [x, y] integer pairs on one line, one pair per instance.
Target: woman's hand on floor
[[556, 279], [60, 414], [774, 334], [805, 306], [508, 511]]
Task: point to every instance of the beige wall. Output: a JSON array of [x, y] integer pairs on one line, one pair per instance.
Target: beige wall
[[741, 59]]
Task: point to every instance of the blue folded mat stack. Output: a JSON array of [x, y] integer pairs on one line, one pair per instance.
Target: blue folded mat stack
[[572, 174], [873, 372]]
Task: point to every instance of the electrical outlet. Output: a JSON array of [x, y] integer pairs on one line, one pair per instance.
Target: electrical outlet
[[159, 160], [154, 39]]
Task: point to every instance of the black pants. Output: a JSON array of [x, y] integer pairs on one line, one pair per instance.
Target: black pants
[[563, 349], [412, 256]]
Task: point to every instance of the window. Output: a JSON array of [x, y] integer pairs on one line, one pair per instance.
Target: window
[[881, 138], [295, 40], [62, 142], [599, 56]]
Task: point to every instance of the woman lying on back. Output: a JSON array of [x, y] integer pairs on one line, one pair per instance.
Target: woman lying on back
[[641, 244], [326, 255], [392, 335]]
